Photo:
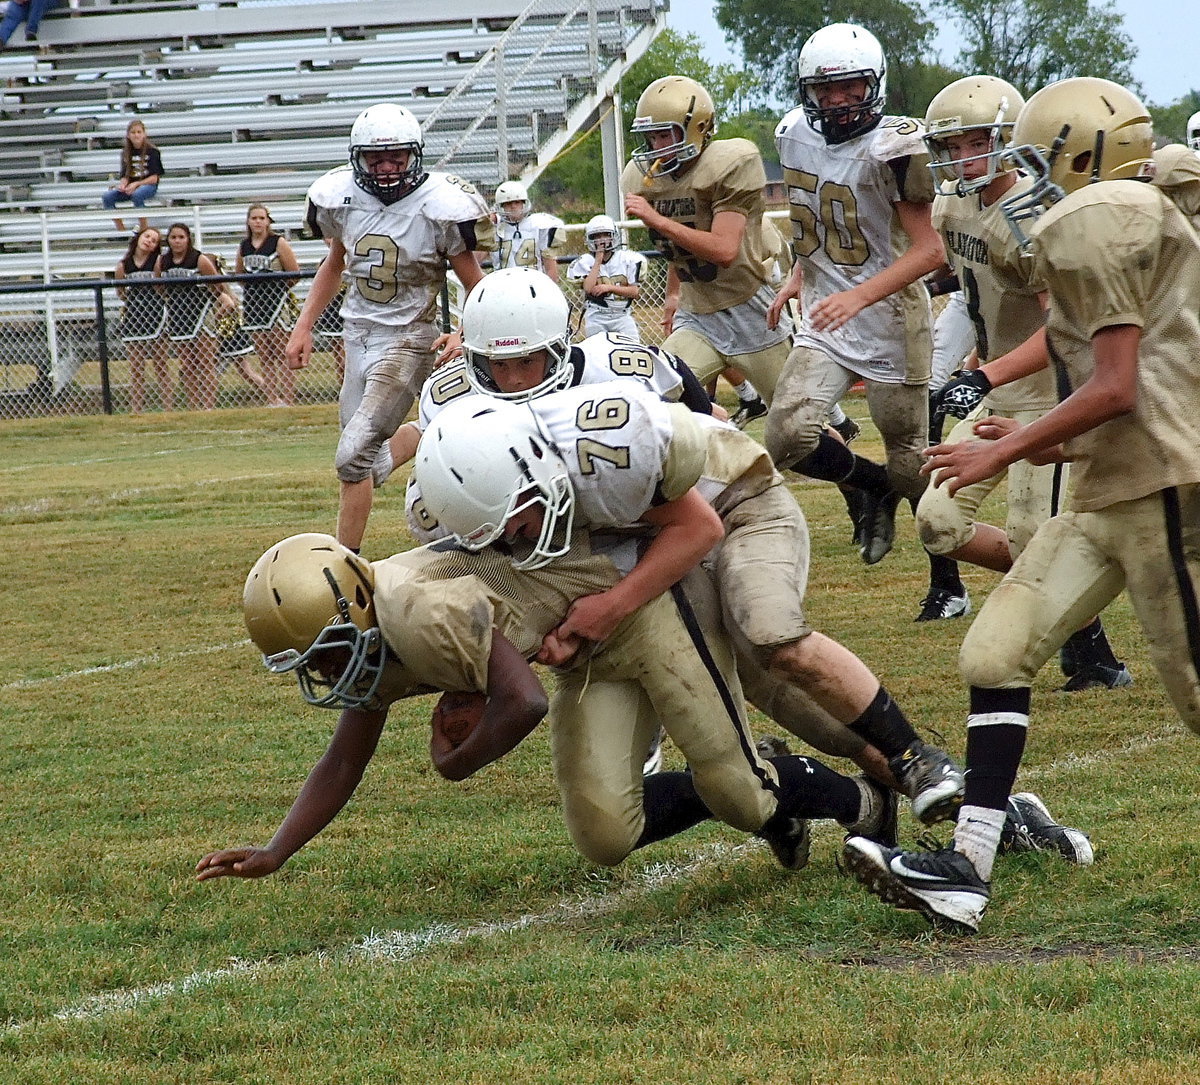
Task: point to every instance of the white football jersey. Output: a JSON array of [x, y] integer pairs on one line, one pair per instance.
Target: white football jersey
[[524, 243], [597, 360], [396, 253], [841, 200], [625, 449], [624, 268]]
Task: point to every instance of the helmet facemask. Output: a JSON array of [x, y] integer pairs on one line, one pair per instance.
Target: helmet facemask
[[947, 170], [1042, 194], [388, 187], [839, 123]]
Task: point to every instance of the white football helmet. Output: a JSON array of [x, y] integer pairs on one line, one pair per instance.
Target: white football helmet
[[1193, 132], [482, 461], [309, 606], [387, 127], [597, 228], [681, 107], [976, 104], [836, 52], [512, 192], [512, 313], [1073, 133]]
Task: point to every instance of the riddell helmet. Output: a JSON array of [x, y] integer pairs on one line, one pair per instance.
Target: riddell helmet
[[512, 192], [387, 127], [1074, 133], [308, 604], [681, 107], [482, 461], [1193, 132], [836, 52], [976, 104], [597, 227], [509, 314]]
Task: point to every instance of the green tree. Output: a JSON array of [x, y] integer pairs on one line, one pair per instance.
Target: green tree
[[771, 35], [1170, 121], [1034, 42]]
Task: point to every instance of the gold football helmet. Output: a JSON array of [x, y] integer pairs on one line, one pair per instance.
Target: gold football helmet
[[309, 606], [682, 107], [980, 104], [1074, 133]]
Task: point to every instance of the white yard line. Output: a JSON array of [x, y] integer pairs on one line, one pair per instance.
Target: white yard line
[[394, 947], [125, 665]]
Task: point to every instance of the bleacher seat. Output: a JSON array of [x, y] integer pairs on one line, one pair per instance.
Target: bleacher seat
[[253, 99]]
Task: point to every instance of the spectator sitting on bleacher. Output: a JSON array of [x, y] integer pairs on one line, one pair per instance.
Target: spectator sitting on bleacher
[[29, 12], [141, 168]]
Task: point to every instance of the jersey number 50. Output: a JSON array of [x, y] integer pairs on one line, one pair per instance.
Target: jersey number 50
[[845, 242]]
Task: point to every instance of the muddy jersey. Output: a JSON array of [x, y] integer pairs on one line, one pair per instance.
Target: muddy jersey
[[627, 451], [396, 253], [438, 605], [842, 205], [1004, 310], [526, 243], [728, 176], [623, 268], [1114, 253]]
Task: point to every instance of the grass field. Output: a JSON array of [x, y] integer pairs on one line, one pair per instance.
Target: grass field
[[449, 933]]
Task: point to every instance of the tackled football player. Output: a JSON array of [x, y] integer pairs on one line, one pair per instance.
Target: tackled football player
[[361, 636]]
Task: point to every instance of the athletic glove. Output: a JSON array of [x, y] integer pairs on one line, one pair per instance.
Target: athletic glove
[[961, 394]]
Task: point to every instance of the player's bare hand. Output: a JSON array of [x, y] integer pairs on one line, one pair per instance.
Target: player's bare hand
[[447, 347], [958, 465], [247, 862], [558, 648], [776, 308], [641, 208], [593, 617], [720, 413], [299, 349], [668, 315], [994, 427], [831, 313]]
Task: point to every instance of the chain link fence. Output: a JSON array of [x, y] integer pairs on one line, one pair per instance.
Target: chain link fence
[[62, 352]]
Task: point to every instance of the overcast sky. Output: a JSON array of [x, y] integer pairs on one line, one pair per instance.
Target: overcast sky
[[1166, 33]]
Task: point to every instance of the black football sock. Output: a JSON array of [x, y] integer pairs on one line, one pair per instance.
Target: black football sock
[[832, 461], [671, 804], [996, 730], [1090, 645], [943, 573], [884, 725], [809, 789]]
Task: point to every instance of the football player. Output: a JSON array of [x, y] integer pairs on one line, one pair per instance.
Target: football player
[[859, 197], [525, 237], [609, 276], [345, 628], [392, 226], [702, 202], [1193, 132], [968, 125], [491, 472], [1121, 264]]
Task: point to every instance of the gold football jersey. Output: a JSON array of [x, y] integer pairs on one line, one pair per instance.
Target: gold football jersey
[[1004, 309], [728, 176], [1116, 253], [1177, 173], [437, 606]]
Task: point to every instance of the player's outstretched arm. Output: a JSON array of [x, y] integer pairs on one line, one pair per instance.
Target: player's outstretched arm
[[328, 788]]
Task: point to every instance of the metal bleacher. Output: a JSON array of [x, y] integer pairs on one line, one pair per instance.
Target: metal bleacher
[[253, 99]]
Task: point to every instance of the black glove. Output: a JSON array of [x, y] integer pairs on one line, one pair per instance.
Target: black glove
[[960, 395]]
